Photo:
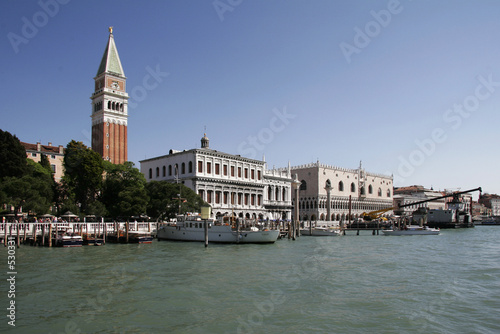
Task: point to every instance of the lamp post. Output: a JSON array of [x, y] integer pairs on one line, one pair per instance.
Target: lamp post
[[205, 214], [295, 224]]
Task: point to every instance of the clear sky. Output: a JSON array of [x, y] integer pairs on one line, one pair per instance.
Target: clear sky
[[410, 88]]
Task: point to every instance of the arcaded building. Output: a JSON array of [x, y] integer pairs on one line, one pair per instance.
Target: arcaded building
[[329, 193], [229, 183]]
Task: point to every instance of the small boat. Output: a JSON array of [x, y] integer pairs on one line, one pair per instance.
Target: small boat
[[69, 240], [321, 231], [412, 230], [140, 237], [192, 228]]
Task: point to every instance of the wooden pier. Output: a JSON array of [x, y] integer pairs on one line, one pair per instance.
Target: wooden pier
[[92, 233]]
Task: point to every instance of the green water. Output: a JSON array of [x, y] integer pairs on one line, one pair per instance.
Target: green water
[[352, 284]]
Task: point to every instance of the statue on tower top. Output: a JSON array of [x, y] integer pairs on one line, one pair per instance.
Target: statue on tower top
[[110, 30]]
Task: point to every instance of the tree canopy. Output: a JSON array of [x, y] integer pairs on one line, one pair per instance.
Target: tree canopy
[[83, 174], [12, 156], [166, 199]]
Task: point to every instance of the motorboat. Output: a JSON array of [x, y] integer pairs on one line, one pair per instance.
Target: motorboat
[[69, 240], [322, 231], [412, 230], [192, 228]]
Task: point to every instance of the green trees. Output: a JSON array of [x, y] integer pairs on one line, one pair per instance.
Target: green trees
[[124, 193], [24, 183], [83, 170], [90, 185], [168, 199]]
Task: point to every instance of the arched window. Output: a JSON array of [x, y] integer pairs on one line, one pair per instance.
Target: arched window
[[109, 104], [388, 193], [353, 187], [362, 190], [379, 192], [283, 195], [370, 189], [341, 186], [164, 170], [303, 185], [113, 106], [157, 171], [150, 173], [190, 167], [183, 168], [277, 194], [269, 193], [169, 170]]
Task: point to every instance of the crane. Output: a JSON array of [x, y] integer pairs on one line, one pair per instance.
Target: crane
[[376, 214]]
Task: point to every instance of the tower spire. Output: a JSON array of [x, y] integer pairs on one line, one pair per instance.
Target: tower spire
[[110, 107]]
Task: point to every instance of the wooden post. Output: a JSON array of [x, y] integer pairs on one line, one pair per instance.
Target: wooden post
[[105, 232], [237, 231], [5, 226], [25, 227], [43, 234], [35, 227], [126, 231], [50, 234], [17, 230], [206, 233]]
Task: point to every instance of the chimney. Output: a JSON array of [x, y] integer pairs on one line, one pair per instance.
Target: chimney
[[50, 144], [61, 149], [38, 146]]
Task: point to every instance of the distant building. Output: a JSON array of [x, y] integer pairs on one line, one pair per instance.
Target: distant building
[[110, 107], [55, 155], [413, 194], [492, 202], [326, 192], [229, 183]]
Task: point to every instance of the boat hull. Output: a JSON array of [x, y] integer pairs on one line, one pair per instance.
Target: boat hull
[[315, 232], [74, 241], [412, 231], [218, 234]]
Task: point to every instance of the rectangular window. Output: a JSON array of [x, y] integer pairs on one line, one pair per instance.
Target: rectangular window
[[200, 166], [232, 172], [225, 197], [217, 197], [253, 200], [53, 167], [209, 167], [246, 173], [209, 196], [217, 169], [252, 174], [225, 170], [239, 171], [246, 199], [52, 156], [258, 175], [240, 197], [33, 155]]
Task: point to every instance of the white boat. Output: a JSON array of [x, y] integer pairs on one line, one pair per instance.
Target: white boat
[[322, 231], [66, 240], [412, 230], [192, 228]]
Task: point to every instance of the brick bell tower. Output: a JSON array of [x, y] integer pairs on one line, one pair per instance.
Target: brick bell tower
[[110, 107]]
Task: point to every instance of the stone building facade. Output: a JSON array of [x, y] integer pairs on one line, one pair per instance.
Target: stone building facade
[[330, 193], [55, 155], [229, 183]]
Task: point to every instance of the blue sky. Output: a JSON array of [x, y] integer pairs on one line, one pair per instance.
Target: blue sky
[[411, 88]]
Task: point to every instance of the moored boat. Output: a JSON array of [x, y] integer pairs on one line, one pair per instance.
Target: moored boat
[[192, 228], [412, 230], [69, 240], [321, 231]]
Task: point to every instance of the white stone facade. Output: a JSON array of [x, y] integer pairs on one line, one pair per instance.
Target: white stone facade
[[365, 191], [229, 183]]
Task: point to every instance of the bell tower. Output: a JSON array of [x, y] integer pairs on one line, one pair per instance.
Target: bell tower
[[110, 107]]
